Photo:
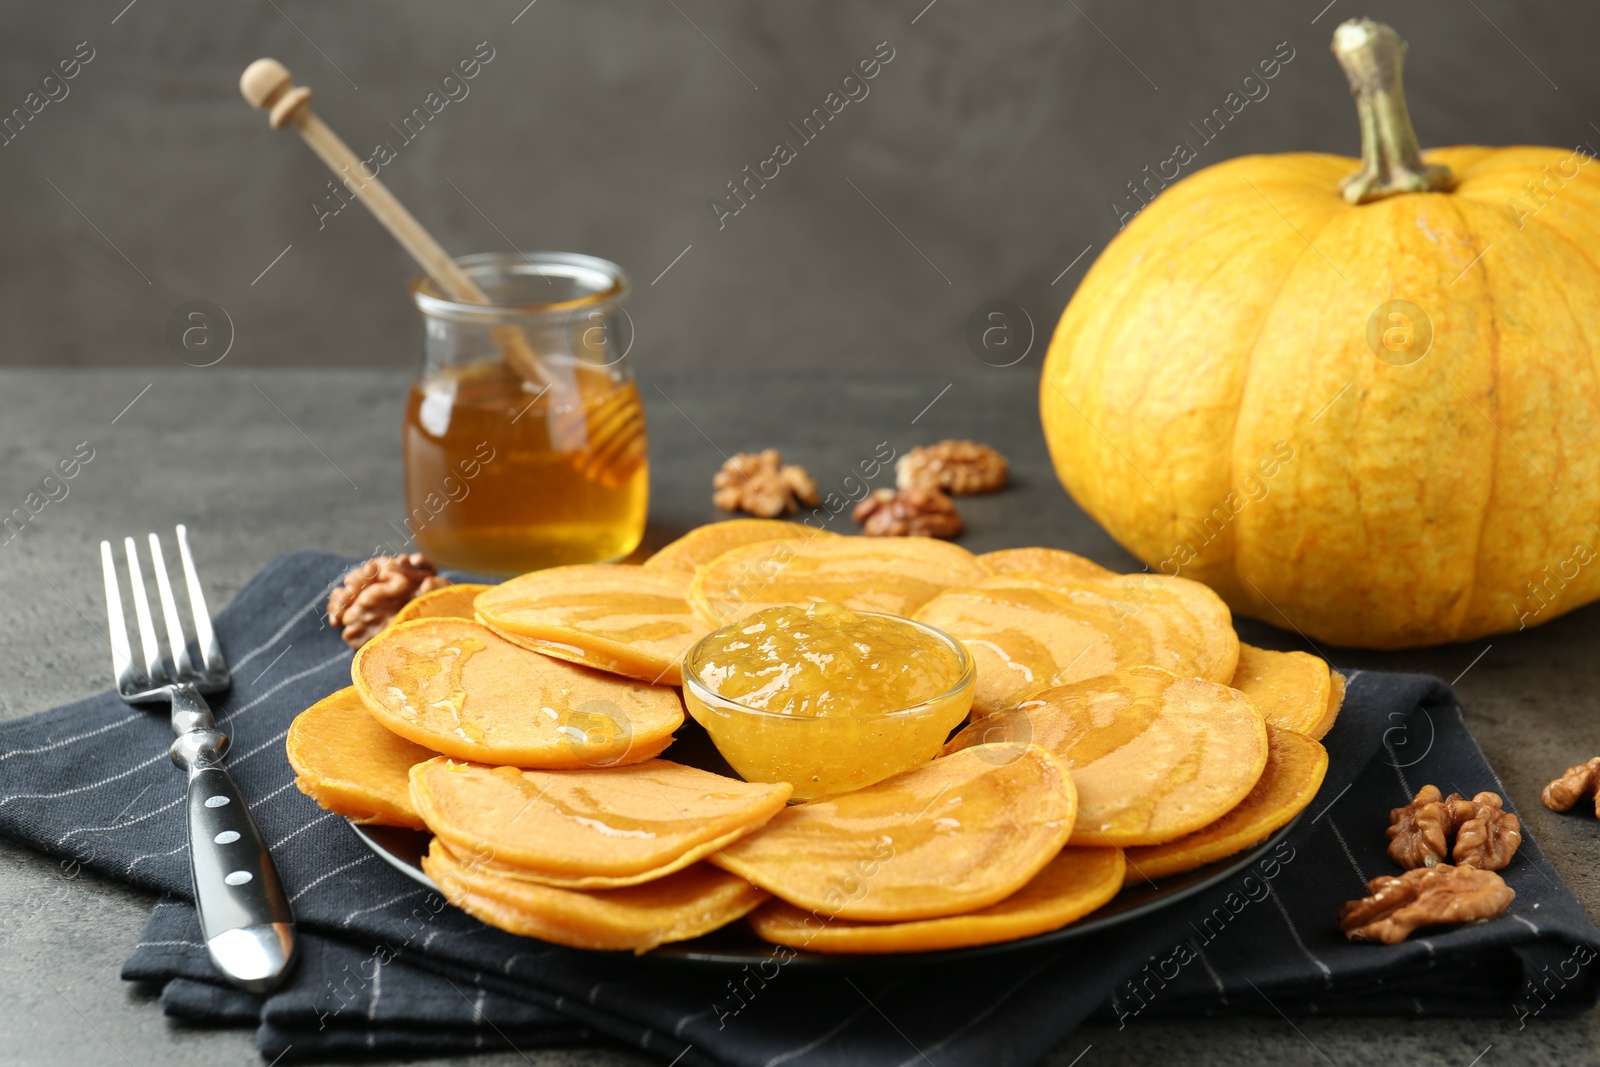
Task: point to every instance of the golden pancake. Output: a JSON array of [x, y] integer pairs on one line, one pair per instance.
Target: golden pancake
[[482, 859], [1028, 635], [687, 904], [459, 689], [1072, 885], [624, 619], [613, 823], [1295, 766], [1046, 564], [892, 575], [1289, 689], [1154, 756], [446, 602], [957, 834], [705, 543], [351, 765], [1335, 702]]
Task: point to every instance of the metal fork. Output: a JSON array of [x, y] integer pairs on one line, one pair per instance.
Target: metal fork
[[244, 914]]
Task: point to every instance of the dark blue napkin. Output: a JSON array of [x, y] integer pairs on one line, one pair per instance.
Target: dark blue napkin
[[387, 966]]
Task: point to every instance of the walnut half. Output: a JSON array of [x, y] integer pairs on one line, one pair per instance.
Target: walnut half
[[1579, 783], [1478, 832], [759, 483], [918, 512], [375, 590], [1486, 835], [1417, 832], [1428, 896], [954, 467]]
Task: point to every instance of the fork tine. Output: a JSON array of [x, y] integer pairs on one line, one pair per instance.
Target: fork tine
[[177, 643], [116, 625], [141, 610], [205, 637]]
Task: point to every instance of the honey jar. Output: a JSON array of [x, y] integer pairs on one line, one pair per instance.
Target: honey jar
[[524, 437]]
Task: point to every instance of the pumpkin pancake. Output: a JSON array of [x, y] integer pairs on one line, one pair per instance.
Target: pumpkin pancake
[[692, 902], [459, 689], [481, 858], [959, 833], [1295, 766], [1289, 689], [1153, 756], [1069, 887], [446, 602], [893, 575], [624, 619], [348, 763], [644, 819], [1028, 635], [1335, 702], [1045, 564], [705, 543]]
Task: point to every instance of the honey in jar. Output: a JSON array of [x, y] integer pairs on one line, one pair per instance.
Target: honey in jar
[[524, 437], [827, 699]]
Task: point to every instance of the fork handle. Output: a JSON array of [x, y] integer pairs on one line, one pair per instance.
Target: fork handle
[[244, 914]]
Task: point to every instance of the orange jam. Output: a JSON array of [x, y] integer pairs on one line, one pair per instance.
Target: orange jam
[[825, 698], [826, 660]]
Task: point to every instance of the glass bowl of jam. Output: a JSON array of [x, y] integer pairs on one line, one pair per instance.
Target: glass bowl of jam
[[827, 699]]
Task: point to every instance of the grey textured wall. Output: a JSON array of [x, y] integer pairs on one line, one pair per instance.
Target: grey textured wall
[[983, 159]]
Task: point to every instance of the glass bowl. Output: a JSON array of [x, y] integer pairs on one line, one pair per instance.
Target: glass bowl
[[823, 755]]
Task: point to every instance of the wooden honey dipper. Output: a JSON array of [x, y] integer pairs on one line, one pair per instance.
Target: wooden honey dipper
[[612, 431]]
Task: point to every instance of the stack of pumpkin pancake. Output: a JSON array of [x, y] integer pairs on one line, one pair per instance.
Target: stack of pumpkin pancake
[[1120, 733]]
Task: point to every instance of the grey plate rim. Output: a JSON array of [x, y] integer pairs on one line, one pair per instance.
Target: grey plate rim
[[732, 946]]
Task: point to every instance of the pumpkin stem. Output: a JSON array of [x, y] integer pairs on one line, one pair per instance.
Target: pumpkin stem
[[1391, 159]]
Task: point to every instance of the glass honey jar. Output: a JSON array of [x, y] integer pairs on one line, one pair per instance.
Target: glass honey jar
[[524, 435]]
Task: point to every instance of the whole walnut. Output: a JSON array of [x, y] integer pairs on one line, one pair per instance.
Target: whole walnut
[[372, 592], [1417, 832], [759, 483], [1476, 832], [1428, 896], [954, 467], [918, 512]]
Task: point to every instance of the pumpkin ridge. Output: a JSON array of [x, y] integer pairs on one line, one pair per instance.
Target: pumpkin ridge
[[1545, 226], [1583, 255], [1105, 320], [1203, 183], [1059, 380], [1587, 344], [1460, 611], [1555, 283], [1493, 162], [1244, 382], [1445, 155]]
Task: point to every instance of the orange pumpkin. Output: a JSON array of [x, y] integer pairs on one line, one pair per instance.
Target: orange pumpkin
[[1372, 416]]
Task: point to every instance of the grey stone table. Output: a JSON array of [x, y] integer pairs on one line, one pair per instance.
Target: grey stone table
[[264, 463]]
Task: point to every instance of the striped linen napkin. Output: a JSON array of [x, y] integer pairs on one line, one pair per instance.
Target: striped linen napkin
[[388, 966]]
